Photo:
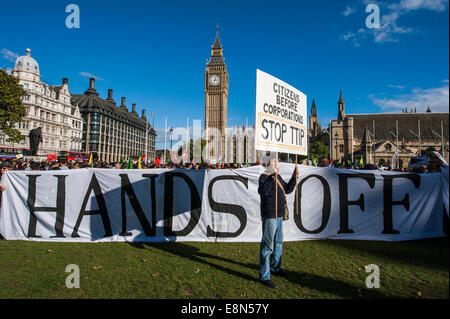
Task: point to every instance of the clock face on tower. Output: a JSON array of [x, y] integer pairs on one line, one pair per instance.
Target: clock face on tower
[[214, 80]]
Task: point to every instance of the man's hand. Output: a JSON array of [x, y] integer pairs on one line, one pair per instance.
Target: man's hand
[[2, 187], [295, 171]]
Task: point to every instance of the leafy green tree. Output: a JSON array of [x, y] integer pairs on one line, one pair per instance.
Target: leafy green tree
[[11, 107], [318, 149]]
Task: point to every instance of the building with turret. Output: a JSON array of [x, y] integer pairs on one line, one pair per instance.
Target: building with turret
[[377, 137], [47, 106]]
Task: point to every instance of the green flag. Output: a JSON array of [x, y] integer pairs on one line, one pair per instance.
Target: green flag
[[360, 164], [130, 164]]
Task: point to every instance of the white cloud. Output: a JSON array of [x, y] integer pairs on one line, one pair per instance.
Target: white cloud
[[90, 75], [9, 55], [409, 5], [419, 98], [396, 86], [351, 36], [390, 30], [348, 11]]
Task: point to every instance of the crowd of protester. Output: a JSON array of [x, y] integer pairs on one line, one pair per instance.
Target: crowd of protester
[[28, 165]]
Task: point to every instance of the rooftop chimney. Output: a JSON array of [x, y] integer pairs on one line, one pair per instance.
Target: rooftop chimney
[[123, 102], [65, 81], [143, 113], [91, 89], [133, 107], [110, 97]]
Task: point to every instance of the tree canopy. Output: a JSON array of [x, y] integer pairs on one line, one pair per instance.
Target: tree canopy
[[318, 149], [11, 107]]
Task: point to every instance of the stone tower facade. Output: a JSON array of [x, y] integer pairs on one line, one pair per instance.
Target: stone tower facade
[[314, 127], [216, 96]]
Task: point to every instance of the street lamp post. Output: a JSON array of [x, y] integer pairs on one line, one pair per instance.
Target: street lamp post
[[336, 146]]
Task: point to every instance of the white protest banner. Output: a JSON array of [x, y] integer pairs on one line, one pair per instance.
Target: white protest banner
[[280, 116], [156, 205]]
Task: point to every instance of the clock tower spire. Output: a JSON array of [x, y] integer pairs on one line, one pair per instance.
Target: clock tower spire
[[216, 96]]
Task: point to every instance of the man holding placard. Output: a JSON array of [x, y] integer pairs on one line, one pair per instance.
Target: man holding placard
[[273, 212], [280, 126]]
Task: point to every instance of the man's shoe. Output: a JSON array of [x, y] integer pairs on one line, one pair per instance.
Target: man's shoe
[[269, 283], [281, 272]]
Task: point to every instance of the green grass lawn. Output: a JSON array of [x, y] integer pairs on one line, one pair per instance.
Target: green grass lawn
[[316, 269]]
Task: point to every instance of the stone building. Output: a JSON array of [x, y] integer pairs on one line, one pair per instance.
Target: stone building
[[240, 145], [216, 97], [112, 132], [237, 143], [373, 137], [315, 131], [47, 106]]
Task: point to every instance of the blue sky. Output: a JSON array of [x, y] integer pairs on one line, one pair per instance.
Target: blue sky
[[154, 53]]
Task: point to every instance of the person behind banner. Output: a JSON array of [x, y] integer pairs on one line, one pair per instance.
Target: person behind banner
[[272, 221], [323, 162]]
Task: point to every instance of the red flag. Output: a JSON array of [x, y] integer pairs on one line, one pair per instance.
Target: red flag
[[157, 161]]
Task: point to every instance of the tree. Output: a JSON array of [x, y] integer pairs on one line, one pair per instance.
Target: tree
[[318, 149], [11, 107]]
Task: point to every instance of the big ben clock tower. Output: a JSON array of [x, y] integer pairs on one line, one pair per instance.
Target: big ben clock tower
[[216, 96]]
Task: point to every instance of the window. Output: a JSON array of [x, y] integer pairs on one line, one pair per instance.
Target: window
[[388, 147], [341, 148]]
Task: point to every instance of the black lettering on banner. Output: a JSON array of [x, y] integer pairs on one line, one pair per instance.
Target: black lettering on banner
[[127, 189], [235, 210], [196, 205], [265, 128], [326, 205], [344, 203], [388, 202], [59, 209], [94, 186]]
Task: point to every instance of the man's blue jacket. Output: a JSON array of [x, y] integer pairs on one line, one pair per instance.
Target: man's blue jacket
[[266, 190]]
